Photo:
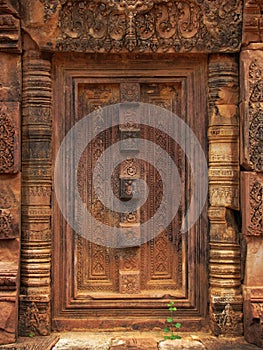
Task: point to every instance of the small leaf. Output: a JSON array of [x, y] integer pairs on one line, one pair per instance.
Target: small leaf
[[178, 325], [31, 335], [172, 308], [177, 337], [172, 337], [166, 337], [171, 303], [166, 329], [169, 319]]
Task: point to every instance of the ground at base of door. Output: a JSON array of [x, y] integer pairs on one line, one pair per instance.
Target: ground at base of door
[[129, 341]]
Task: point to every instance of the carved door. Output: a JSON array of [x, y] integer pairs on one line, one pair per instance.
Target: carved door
[[128, 285]]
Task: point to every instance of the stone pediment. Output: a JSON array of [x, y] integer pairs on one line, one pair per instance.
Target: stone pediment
[[134, 25]]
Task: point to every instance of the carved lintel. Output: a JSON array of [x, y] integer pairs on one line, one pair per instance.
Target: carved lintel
[[156, 25], [252, 204]]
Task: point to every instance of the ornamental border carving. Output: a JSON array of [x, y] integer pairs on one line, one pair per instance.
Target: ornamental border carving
[[140, 26]]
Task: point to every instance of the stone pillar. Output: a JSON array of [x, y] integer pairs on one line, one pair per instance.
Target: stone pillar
[[10, 174], [251, 110], [36, 197], [223, 135]]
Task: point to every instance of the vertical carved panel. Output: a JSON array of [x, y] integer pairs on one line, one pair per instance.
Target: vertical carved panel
[[251, 76], [10, 176], [9, 138], [252, 110], [36, 197], [225, 273]]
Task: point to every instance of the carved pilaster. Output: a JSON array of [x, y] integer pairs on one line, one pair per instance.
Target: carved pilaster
[[251, 75], [36, 197], [223, 135], [10, 177]]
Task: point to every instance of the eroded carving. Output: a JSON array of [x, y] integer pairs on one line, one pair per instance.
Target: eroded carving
[[6, 223], [34, 320], [7, 142], [9, 27], [152, 25], [228, 321]]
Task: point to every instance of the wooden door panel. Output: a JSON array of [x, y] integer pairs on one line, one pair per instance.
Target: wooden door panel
[[110, 280]]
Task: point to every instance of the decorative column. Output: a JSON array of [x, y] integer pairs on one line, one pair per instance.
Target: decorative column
[[223, 134], [10, 174], [251, 110], [36, 197]]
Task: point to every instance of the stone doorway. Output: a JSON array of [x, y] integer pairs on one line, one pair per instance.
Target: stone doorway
[[129, 287]]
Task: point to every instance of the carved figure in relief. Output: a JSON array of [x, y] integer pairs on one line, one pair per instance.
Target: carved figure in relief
[[228, 320], [34, 320]]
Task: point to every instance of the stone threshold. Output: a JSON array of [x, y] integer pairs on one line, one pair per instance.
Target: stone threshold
[[129, 341]]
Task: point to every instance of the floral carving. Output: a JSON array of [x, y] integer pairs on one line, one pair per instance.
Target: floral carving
[[7, 142], [256, 140], [256, 115], [256, 204], [150, 25], [6, 221]]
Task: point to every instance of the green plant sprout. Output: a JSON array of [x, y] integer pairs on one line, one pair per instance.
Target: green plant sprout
[[172, 326]]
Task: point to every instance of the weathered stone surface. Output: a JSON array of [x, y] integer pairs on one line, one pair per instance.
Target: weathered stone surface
[[10, 69], [133, 344], [253, 314], [10, 36], [87, 344], [253, 22], [9, 207], [8, 317], [252, 204], [180, 344]]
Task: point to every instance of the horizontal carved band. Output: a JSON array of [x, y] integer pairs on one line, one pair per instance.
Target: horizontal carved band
[[145, 26]]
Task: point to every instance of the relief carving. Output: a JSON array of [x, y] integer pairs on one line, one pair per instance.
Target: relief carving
[[252, 204], [152, 25], [32, 320], [7, 142], [256, 205], [255, 128], [228, 320], [223, 134], [6, 223]]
